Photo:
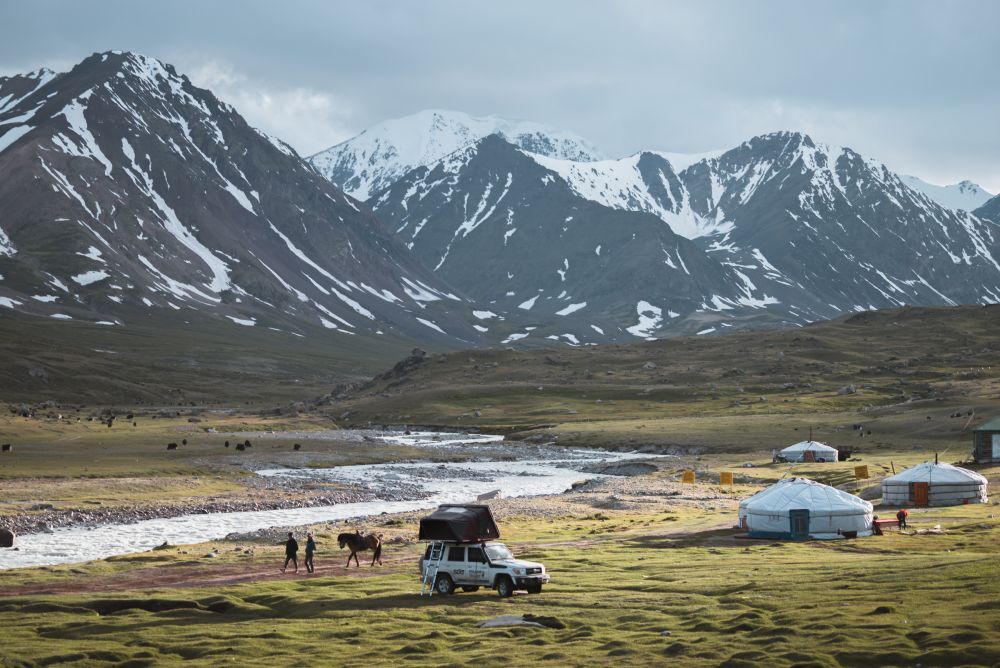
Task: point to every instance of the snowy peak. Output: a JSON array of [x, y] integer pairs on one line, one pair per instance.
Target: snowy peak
[[373, 160], [964, 195]]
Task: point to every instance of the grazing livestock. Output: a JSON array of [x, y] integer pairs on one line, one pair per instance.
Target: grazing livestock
[[227, 444], [297, 446], [7, 537], [246, 443], [6, 447], [171, 446], [241, 447], [130, 416], [184, 441]]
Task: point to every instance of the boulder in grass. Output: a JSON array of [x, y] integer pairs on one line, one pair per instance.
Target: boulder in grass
[[7, 537]]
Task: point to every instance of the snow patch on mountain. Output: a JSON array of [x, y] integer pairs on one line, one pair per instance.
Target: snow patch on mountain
[[650, 318], [621, 184]]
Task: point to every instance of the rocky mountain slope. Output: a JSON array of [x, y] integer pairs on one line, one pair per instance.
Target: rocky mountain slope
[[125, 189], [990, 210], [379, 156], [496, 221], [789, 230]]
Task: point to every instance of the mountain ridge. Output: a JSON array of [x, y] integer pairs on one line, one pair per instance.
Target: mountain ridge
[[126, 187]]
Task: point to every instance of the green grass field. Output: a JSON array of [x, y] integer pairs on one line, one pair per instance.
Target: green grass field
[[620, 580]]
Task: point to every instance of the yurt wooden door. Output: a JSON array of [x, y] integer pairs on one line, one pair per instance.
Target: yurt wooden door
[[919, 493], [799, 523]]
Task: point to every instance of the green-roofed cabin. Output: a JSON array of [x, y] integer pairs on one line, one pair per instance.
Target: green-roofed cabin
[[986, 442]]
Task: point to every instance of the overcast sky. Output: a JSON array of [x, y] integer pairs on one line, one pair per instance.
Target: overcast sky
[[915, 84]]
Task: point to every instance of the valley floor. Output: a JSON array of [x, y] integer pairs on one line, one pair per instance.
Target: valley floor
[[644, 570]]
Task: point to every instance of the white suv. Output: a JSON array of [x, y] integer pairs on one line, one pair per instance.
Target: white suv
[[448, 565]]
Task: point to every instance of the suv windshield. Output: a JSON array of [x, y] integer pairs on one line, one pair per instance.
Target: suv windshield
[[498, 552]]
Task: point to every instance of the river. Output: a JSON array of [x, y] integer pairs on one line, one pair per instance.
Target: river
[[424, 485]]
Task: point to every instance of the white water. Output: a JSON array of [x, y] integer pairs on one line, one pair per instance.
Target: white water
[[444, 483]]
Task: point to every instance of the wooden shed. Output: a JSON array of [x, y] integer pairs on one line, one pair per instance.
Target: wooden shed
[[986, 442]]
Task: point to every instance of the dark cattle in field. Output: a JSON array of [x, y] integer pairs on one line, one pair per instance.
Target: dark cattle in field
[[6, 447], [227, 444], [171, 446], [7, 538], [130, 416], [246, 443], [184, 441], [134, 424], [241, 447], [297, 446]]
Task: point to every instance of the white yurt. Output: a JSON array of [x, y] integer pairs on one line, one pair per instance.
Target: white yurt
[[799, 508], [933, 484], [809, 451]]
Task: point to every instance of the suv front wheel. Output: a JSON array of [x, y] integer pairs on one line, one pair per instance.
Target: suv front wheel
[[444, 584], [505, 587]]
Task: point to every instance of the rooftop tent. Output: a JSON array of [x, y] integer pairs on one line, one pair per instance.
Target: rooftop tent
[[809, 451], [931, 484], [459, 523], [801, 508]]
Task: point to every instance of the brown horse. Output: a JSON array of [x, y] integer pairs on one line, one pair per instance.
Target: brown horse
[[359, 543]]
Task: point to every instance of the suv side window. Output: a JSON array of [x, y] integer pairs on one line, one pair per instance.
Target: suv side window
[[476, 555], [456, 554]]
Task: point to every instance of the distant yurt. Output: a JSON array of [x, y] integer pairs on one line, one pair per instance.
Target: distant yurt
[[798, 508], [808, 451], [932, 484]]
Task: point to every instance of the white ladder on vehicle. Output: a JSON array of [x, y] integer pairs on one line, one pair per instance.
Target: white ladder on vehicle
[[431, 568]]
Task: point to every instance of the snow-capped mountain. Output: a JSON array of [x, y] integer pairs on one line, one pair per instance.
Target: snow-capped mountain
[[827, 231], [517, 236], [784, 228], [379, 156], [964, 195], [124, 188]]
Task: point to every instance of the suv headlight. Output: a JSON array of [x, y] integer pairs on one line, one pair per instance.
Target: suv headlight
[[518, 571]]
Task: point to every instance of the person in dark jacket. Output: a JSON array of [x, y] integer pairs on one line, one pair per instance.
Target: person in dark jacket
[[901, 516], [310, 549], [291, 552]]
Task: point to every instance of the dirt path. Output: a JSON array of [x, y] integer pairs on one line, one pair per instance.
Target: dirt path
[[198, 575]]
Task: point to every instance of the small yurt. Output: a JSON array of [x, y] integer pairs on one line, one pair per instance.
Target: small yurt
[[798, 508], [933, 484], [808, 451]]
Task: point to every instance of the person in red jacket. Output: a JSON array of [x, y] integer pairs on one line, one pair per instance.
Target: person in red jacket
[[901, 516]]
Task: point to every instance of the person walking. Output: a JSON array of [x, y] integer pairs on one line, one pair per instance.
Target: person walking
[[291, 552], [901, 517], [310, 549]]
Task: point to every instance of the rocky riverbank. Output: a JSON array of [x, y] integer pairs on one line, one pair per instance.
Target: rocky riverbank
[[43, 518]]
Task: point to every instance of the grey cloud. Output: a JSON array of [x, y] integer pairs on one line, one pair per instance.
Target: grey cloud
[[912, 83]]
